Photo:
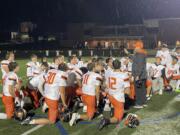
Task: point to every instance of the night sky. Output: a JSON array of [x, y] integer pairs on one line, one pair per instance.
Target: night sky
[[55, 14]]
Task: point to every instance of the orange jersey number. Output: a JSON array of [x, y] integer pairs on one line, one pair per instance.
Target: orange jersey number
[[112, 82], [85, 79], [50, 78]]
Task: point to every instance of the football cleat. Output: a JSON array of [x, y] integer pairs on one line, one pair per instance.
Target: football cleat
[[74, 118], [148, 98]]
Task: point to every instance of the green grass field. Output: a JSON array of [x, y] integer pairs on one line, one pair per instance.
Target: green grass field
[[161, 117]]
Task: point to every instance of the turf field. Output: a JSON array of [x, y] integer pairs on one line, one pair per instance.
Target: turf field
[[161, 117]]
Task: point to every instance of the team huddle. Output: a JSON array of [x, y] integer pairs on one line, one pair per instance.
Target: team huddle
[[95, 85]]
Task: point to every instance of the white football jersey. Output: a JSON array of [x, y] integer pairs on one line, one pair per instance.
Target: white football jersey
[[36, 80], [33, 69], [89, 83], [54, 80], [116, 85], [165, 56], [157, 70], [4, 63], [11, 78], [172, 70]]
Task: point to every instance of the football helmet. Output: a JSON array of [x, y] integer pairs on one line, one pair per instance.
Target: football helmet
[[168, 88], [132, 120], [66, 115], [20, 114]]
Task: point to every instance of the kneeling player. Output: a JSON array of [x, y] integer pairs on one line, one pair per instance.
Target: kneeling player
[[34, 84], [11, 84], [54, 88], [115, 87], [90, 89], [173, 74]]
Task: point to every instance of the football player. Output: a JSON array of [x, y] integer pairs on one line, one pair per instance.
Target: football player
[[91, 91], [45, 60], [124, 65], [54, 90], [73, 62], [157, 80], [34, 85], [73, 83], [172, 73], [115, 83], [33, 67], [4, 64], [165, 55], [56, 62], [10, 86]]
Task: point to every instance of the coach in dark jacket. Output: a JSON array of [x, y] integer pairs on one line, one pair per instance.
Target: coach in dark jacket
[[139, 74]]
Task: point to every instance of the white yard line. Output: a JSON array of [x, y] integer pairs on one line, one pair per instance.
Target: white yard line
[[32, 130]]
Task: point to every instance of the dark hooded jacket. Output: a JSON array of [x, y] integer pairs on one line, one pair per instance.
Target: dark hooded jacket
[[139, 64]]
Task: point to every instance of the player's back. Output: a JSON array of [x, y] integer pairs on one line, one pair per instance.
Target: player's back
[[115, 83], [54, 80], [34, 82], [89, 83]]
